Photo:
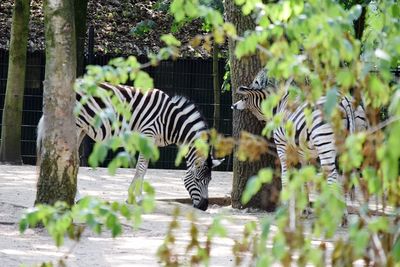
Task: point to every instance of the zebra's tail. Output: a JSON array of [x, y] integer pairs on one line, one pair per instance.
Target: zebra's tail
[[39, 141]]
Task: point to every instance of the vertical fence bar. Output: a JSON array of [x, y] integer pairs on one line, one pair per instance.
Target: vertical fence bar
[[189, 77]]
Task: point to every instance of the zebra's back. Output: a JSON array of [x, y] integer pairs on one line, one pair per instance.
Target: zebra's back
[[103, 116]]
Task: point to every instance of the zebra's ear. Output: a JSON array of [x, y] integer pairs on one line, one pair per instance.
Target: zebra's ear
[[217, 162], [242, 90]]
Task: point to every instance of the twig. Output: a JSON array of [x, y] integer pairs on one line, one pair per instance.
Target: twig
[[66, 254], [383, 124]]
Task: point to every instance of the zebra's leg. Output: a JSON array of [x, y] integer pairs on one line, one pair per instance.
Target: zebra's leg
[[136, 186], [327, 155], [291, 205], [281, 150], [306, 188]]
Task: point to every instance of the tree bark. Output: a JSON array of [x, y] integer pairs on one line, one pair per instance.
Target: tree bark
[[10, 151], [81, 7], [242, 73], [80, 34], [58, 153], [359, 24], [217, 89]]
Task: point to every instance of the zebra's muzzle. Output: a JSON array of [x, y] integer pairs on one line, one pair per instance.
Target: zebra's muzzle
[[240, 105], [202, 205]]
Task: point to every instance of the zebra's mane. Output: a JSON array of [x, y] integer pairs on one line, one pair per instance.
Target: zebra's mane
[[263, 82], [184, 102]]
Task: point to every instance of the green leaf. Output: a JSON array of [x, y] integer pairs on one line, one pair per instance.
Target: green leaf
[[370, 175], [396, 250], [240, 2], [149, 189], [143, 27], [125, 211], [265, 175], [143, 81], [182, 152], [331, 101], [217, 229], [23, 225], [147, 148], [170, 40], [113, 166], [202, 146], [286, 11], [379, 224], [252, 187], [191, 9], [345, 78], [148, 205], [177, 10], [361, 241], [98, 155], [229, 29], [113, 224]]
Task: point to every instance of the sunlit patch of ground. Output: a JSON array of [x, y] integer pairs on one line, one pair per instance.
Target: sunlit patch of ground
[[134, 247]]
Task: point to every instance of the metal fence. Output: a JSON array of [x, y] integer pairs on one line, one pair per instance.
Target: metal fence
[[189, 77]]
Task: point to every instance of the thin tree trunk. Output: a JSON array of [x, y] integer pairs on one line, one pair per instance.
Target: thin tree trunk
[[10, 150], [242, 73], [81, 7], [359, 24], [217, 89], [58, 153], [80, 34]]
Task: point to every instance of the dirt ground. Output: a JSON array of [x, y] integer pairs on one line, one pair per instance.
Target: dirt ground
[[133, 247]]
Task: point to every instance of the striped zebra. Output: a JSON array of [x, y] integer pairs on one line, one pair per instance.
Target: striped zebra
[[166, 120], [317, 141]]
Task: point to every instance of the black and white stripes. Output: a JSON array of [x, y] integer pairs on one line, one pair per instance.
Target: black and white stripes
[[166, 120], [310, 141]]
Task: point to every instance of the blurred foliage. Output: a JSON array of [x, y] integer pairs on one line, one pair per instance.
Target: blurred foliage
[[313, 43], [143, 27], [91, 213], [198, 248]]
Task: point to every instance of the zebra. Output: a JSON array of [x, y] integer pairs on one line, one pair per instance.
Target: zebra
[[255, 95], [165, 119], [317, 141]]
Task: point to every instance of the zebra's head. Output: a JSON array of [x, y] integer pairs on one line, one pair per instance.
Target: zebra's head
[[197, 179], [251, 97], [251, 100], [262, 81]]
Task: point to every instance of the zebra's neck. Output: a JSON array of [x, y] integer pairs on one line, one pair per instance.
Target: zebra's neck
[[281, 107], [192, 157], [183, 121]]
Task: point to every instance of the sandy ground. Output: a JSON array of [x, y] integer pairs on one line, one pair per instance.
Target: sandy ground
[[133, 247]]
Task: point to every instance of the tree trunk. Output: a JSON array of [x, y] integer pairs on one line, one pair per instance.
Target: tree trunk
[[217, 89], [10, 150], [242, 73], [80, 34], [81, 7], [359, 24], [58, 153]]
